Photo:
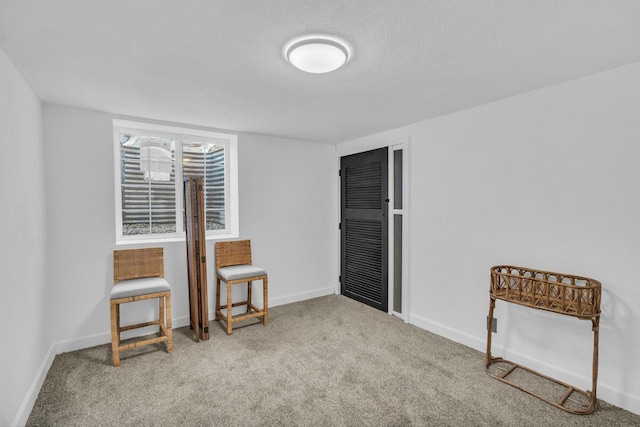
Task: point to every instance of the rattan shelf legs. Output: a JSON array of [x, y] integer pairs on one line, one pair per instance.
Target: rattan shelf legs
[[573, 400]]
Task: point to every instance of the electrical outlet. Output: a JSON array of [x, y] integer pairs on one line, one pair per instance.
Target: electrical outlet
[[494, 324]]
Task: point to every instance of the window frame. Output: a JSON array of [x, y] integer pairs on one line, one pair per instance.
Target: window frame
[[180, 134]]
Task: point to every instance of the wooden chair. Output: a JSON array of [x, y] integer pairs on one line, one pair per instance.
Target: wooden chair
[[233, 266], [138, 274]]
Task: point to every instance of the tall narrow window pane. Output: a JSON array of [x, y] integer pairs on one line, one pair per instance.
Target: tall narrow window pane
[[397, 179], [147, 167], [397, 263], [206, 159]]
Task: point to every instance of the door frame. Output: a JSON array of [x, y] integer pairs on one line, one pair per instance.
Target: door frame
[[403, 144]]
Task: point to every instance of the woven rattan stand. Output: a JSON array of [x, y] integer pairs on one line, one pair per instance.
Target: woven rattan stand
[[559, 293]]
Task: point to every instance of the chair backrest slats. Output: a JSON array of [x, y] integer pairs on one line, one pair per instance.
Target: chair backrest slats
[[233, 253], [137, 263]]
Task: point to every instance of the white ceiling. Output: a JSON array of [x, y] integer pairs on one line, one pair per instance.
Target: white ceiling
[[220, 63]]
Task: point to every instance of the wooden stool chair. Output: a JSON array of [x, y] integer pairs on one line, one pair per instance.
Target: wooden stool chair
[[138, 274], [233, 266]]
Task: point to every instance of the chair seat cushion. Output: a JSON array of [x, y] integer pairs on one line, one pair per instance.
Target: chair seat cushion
[[136, 287], [236, 272]]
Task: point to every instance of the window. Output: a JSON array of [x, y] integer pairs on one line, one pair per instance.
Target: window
[[149, 180]]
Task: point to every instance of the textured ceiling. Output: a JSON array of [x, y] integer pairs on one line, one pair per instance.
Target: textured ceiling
[[220, 63]]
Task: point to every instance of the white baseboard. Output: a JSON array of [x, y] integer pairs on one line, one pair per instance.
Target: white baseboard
[[605, 392], [287, 299], [302, 296], [447, 332], [32, 394]]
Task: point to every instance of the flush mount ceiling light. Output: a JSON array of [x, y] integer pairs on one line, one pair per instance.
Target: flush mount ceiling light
[[317, 54]]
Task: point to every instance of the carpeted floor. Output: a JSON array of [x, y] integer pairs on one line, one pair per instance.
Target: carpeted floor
[[327, 361]]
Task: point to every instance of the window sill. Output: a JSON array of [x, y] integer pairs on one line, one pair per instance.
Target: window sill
[[171, 239]]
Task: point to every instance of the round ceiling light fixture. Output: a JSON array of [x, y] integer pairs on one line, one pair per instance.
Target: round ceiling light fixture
[[317, 55]]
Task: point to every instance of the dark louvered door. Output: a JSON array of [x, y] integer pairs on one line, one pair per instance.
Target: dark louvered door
[[364, 227]]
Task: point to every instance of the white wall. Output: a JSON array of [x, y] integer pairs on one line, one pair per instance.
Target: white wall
[[285, 209], [548, 180], [25, 292]]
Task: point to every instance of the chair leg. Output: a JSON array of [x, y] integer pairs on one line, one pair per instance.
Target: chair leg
[[118, 323], [217, 297], [265, 304], [249, 292], [115, 333], [168, 323], [229, 310], [161, 317]]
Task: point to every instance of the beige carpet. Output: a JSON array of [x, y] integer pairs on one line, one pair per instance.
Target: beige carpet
[[329, 361]]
